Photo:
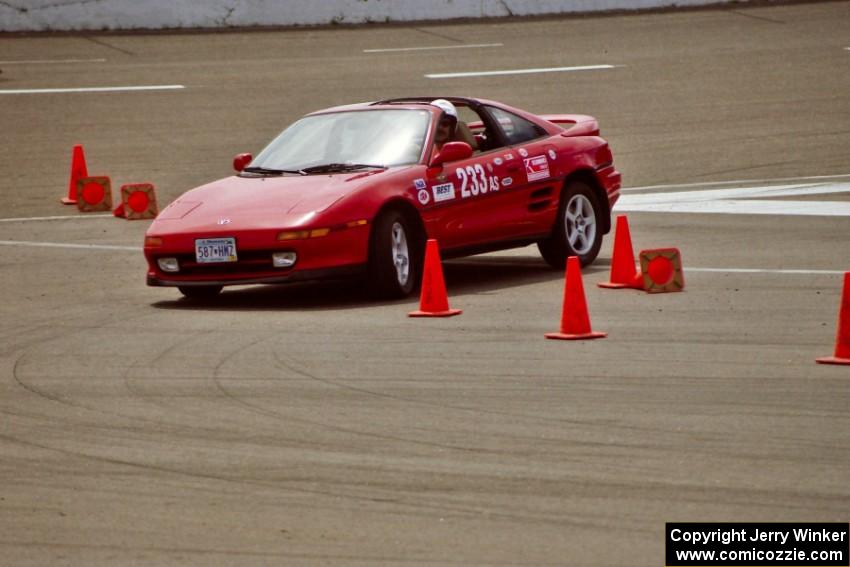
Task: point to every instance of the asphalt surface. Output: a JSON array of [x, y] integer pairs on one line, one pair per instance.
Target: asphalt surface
[[309, 425]]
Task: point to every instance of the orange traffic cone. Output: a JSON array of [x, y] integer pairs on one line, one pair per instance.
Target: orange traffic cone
[[78, 171], [842, 340], [575, 322], [433, 301], [624, 273]]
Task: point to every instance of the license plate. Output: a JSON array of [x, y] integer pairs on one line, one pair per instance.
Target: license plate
[[212, 250]]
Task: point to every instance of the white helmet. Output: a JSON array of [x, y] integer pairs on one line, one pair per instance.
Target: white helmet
[[446, 107]]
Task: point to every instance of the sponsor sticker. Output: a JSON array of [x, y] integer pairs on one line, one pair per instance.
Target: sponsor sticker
[[498, 161], [509, 157], [537, 168], [444, 192], [424, 196], [523, 152], [552, 155], [507, 181], [419, 183]]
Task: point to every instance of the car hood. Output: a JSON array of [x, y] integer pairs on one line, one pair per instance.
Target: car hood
[[259, 202]]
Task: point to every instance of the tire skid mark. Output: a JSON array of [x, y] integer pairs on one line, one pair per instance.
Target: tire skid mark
[[435, 508], [278, 415], [124, 549], [221, 394], [401, 500], [147, 360], [573, 442], [417, 505], [281, 417], [277, 486], [199, 431], [23, 335], [463, 510], [96, 409], [557, 420], [179, 428]]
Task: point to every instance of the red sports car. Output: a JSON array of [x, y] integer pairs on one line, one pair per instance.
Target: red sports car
[[357, 190]]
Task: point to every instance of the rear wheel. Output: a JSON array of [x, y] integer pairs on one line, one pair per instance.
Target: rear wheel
[[577, 230], [393, 256], [200, 292]]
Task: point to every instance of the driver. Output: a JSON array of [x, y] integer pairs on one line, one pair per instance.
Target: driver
[[450, 129], [447, 126]]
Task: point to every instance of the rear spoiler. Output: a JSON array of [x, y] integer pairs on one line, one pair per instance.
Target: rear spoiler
[[574, 124]]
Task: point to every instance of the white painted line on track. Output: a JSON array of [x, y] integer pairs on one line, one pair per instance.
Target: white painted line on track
[[67, 217], [736, 182], [50, 61], [764, 271], [66, 245], [94, 89], [742, 201], [519, 71], [433, 47], [688, 269]]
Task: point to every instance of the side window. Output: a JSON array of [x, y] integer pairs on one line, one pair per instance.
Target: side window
[[516, 129], [476, 134]]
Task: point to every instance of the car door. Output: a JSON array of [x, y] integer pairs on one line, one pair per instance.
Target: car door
[[463, 201], [531, 188]]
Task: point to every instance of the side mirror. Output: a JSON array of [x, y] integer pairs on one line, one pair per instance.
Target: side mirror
[[452, 151], [241, 161]]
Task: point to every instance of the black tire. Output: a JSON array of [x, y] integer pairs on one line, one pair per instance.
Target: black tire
[[394, 256], [577, 230], [200, 292]]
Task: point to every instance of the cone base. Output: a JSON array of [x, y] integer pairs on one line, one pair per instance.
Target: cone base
[[447, 313], [613, 285], [661, 290], [568, 337], [832, 360], [68, 201]]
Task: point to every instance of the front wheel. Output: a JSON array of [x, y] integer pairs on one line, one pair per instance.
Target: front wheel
[[393, 256], [577, 230]]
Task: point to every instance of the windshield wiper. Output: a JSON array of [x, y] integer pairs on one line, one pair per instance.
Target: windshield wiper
[[340, 167], [271, 171]]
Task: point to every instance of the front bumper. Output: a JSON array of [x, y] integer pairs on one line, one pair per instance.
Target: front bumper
[[339, 253], [340, 272]]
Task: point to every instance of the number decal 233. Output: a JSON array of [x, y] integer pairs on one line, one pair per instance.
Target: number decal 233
[[474, 181]]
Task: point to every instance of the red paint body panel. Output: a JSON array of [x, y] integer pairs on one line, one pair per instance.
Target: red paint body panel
[[509, 193]]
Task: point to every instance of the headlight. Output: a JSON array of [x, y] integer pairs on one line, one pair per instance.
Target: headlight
[[284, 259], [168, 264]]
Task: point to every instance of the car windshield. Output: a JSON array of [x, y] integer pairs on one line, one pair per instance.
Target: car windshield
[[361, 138]]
